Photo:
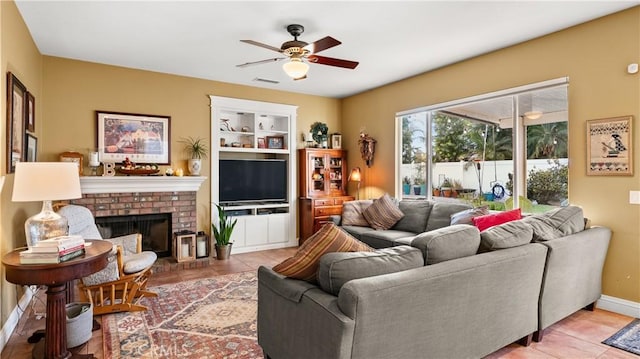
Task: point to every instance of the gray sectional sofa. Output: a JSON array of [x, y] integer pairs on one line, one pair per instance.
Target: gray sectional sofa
[[454, 292]]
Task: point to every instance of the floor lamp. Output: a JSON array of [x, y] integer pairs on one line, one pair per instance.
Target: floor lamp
[[355, 176], [46, 182]]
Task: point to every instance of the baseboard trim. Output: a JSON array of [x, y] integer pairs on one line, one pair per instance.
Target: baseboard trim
[[618, 305], [11, 323]]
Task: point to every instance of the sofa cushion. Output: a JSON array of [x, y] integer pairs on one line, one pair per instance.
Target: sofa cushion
[[490, 220], [304, 263], [352, 213], [336, 269], [383, 213], [466, 216], [357, 231], [415, 216], [383, 239], [443, 244], [441, 212], [506, 235], [557, 223]]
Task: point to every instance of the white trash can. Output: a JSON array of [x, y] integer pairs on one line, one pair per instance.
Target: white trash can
[[79, 323]]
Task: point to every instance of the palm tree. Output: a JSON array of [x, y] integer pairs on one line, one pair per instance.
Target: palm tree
[[548, 140]]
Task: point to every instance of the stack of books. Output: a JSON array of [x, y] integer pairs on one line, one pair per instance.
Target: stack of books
[[54, 250]]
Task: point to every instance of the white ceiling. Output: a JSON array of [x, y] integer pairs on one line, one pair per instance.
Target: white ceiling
[[392, 40]]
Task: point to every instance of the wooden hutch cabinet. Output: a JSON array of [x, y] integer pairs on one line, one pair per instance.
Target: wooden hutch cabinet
[[323, 177]]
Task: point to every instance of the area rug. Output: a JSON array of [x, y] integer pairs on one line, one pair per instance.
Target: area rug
[[627, 338], [204, 318]]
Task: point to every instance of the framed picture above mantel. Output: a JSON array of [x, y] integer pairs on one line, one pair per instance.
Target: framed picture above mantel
[[141, 138]]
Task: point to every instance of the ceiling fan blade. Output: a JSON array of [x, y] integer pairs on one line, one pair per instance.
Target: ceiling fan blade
[[246, 64], [268, 47], [330, 61], [322, 44]]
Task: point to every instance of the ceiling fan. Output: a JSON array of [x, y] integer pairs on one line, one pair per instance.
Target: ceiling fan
[[299, 53]]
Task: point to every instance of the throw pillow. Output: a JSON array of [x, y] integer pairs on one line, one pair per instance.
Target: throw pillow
[[415, 217], [383, 213], [506, 235], [336, 269], [490, 220], [466, 216], [352, 213], [443, 244], [304, 263], [557, 223]]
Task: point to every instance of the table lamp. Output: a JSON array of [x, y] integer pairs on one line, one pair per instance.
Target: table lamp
[[46, 182], [355, 176]]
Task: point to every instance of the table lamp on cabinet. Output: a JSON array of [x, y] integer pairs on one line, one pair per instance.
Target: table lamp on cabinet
[[46, 182]]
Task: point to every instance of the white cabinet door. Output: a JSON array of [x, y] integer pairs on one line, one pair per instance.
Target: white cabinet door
[[238, 234], [279, 228], [256, 230]]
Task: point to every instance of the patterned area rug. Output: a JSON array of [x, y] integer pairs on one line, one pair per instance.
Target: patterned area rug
[[205, 318], [628, 338]]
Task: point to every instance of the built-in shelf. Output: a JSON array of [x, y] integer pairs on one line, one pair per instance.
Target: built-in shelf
[[128, 184]]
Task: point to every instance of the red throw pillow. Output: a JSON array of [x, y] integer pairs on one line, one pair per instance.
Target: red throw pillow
[[490, 220]]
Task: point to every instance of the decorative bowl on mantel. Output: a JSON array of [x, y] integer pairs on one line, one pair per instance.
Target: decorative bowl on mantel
[[137, 171]]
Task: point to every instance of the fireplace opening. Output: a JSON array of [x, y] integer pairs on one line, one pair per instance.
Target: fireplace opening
[[155, 230]]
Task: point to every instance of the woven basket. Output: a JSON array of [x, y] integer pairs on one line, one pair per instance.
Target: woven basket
[[79, 323]]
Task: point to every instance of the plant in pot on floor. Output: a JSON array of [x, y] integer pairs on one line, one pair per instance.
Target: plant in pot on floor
[[222, 233], [197, 149]]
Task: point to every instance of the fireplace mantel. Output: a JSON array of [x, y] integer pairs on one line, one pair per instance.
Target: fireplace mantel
[[130, 184]]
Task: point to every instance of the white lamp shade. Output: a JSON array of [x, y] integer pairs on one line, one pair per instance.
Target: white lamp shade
[[46, 181], [295, 68]]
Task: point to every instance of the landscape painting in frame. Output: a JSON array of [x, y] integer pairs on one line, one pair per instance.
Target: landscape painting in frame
[[140, 138], [609, 147]]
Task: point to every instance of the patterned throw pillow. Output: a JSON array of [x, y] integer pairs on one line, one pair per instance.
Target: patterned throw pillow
[[383, 213], [304, 263], [352, 213]]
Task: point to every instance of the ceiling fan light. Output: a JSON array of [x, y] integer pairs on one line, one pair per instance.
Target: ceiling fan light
[[295, 68], [533, 115]]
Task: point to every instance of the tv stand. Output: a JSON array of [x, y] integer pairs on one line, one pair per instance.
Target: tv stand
[[244, 129]]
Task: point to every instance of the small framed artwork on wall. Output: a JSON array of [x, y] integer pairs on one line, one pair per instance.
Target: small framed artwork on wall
[[31, 148], [31, 112], [609, 147], [16, 99]]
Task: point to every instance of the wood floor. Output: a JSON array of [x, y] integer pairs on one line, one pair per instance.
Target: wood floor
[[576, 337]]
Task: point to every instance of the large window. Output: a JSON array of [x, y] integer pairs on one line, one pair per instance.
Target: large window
[[505, 150]]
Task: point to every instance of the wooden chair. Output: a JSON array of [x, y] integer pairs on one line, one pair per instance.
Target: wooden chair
[[120, 286]]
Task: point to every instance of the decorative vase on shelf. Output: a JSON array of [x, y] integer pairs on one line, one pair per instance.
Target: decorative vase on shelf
[[195, 166]]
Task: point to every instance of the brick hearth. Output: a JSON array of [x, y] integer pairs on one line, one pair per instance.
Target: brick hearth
[[181, 205]]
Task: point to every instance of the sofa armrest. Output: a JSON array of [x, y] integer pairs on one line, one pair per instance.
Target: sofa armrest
[[573, 273], [297, 319], [290, 289], [336, 219]]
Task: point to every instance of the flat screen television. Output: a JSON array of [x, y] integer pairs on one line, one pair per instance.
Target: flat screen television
[[253, 180]]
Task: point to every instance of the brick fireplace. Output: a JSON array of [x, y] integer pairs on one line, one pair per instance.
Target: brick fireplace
[[133, 196]]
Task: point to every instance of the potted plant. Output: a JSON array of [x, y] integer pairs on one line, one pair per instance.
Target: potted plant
[[456, 186], [418, 185], [445, 188], [406, 185], [222, 233], [197, 149], [435, 191]]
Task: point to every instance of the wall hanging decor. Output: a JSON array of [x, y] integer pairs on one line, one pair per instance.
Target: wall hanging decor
[[141, 138], [16, 99], [367, 148], [609, 147]]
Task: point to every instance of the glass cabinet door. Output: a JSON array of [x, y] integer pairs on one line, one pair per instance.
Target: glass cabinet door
[[335, 174], [317, 173]]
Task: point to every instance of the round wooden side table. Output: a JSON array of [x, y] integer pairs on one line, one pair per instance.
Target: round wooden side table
[[56, 277]]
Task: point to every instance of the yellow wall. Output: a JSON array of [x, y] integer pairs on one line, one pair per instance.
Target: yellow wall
[[20, 56], [74, 90], [594, 56]]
